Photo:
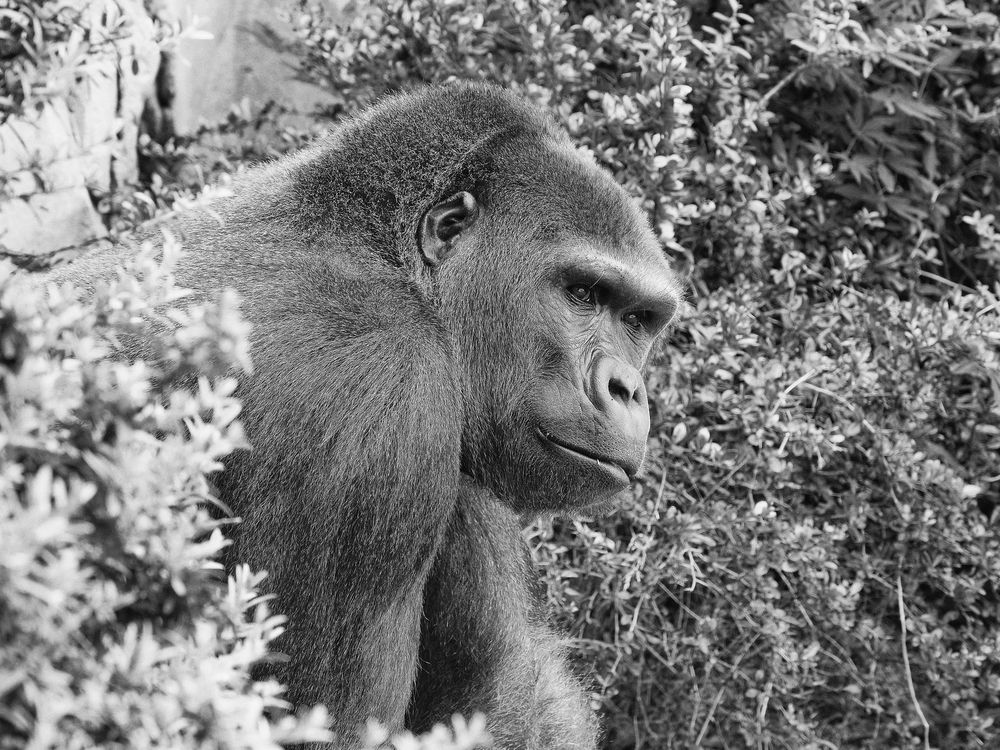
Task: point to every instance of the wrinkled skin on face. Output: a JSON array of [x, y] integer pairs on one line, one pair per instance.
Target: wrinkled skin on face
[[591, 414], [556, 410]]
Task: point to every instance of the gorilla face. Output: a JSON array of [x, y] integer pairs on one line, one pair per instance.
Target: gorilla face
[[552, 331]]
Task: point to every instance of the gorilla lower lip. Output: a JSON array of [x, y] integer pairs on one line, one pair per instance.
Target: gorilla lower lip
[[611, 467]]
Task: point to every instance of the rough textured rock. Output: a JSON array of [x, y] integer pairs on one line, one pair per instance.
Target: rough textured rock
[[50, 221], [58, 158]]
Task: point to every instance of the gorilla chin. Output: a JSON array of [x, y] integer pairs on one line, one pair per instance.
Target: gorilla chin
[[605, 471]]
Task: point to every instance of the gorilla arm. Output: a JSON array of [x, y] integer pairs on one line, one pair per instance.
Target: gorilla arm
[[484, 642]]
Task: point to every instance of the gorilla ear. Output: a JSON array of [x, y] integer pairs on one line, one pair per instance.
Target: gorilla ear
[[443, 224]]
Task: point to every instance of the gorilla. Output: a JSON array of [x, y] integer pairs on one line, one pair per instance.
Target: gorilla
[[451, 308]]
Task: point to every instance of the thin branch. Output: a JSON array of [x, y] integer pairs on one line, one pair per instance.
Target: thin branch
[[722, 691], [778, 87], [947, 282], [906, 665], [780, 401]]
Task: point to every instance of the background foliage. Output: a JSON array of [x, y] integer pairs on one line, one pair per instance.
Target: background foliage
[[45, 48], [812, 558]]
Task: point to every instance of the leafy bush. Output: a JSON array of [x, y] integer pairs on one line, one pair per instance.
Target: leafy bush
[[812, 558], [116, 630], [117, 627], [190, 168], [46, 46]]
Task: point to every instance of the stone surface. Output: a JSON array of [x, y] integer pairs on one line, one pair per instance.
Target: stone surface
[[57, 156], [138, 62], [46, 222], [212, 75], [87, 169], [38, 138]]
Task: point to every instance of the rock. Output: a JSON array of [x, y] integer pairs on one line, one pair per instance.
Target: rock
[[60, 153], [242, 55], [46, 222]]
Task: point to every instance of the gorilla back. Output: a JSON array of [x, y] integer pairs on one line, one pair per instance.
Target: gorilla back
[[451, 307]]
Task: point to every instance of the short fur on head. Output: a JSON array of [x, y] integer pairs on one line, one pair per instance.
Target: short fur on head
[[402, 156]]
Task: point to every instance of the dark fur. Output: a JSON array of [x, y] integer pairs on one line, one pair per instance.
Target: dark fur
[[384, 401]]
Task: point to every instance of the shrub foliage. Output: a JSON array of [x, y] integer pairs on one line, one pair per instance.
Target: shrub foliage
[[812, 559], [117, 627], [46, 46]]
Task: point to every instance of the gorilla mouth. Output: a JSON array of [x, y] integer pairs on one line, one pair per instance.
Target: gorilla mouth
[[621, 474]]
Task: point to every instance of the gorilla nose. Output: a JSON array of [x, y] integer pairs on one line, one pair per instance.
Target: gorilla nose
[[619, 393]]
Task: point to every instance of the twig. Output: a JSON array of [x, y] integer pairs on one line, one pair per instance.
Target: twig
[[722, 691], [777, 87], [841, 400], [906, 665], [946, 282], [779, 402], [711, 713]]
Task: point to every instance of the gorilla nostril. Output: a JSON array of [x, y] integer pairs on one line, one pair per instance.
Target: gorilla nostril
[[620, 391]]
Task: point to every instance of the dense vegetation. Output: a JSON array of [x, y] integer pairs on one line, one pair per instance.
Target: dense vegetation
[[812, 559], [45, 47]]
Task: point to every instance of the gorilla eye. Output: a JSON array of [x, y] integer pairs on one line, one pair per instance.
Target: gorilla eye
[[582, 293], [634, 319]]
